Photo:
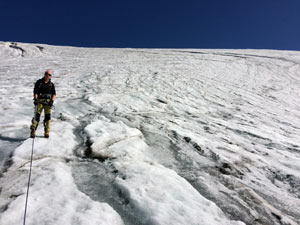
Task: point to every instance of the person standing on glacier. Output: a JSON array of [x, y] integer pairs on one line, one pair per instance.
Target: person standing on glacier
[[44, 95]]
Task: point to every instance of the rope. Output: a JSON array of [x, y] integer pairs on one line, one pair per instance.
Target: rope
[[28, 183]]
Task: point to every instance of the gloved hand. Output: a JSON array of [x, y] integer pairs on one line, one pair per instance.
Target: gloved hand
[[50, 103], [35, 101]]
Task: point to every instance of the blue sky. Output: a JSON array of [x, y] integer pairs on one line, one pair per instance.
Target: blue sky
[[231, 24]]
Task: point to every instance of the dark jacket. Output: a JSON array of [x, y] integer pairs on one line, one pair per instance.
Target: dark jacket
[[43, 89]]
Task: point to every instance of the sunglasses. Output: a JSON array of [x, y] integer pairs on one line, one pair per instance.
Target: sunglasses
[[50, 75]]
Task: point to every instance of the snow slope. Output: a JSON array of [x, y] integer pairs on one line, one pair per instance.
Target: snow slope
[[151, 136]]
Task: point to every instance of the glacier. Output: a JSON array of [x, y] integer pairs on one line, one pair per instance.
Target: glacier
[[152, 136]]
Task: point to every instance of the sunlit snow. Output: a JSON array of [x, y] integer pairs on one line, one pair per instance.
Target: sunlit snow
[[152, 136]]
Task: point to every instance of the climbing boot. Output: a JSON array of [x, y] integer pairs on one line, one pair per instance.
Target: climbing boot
[[46, 134], [32, 133]]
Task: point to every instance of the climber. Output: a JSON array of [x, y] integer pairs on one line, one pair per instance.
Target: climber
[[44, 95]]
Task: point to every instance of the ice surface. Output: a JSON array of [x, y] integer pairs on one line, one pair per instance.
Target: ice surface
[[159, 194], [150, 136], [54, 197]]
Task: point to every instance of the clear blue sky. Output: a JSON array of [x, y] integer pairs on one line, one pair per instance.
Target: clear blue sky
[[255, 24]]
